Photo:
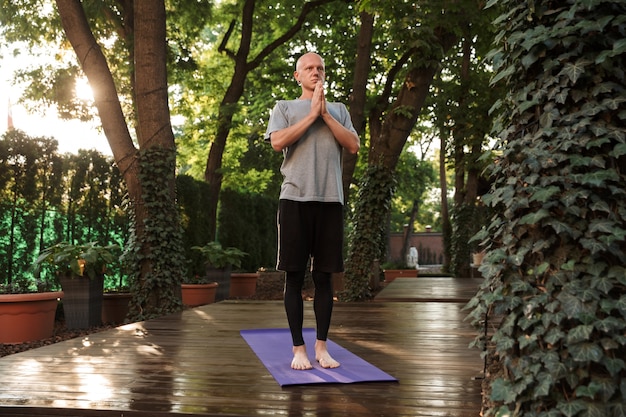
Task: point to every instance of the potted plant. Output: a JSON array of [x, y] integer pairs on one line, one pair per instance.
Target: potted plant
[[243, 284], [27, 310], [393, 270], [80, 270], [219, 262], [197, 291]]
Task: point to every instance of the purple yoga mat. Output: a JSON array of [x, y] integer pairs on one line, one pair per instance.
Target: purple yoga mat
[[273, 347]]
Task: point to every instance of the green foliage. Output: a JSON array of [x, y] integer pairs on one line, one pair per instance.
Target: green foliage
[[215, 256], [46, 198], [248, 221], [467, 220], [415, 178], [88, 259], [192, 199], [555, 267], [367, 238], [158, 242]]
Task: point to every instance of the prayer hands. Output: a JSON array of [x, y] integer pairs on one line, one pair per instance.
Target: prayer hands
[[318, 101]]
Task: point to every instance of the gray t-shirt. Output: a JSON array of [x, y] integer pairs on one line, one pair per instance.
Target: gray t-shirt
[[312, 165]]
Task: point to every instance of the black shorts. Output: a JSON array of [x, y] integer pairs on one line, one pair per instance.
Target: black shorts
[[310, 229]]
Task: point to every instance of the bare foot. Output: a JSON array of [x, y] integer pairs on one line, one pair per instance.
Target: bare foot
[[322, 355], [300, 360]]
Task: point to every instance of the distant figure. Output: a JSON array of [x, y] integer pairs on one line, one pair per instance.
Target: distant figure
[[311, 133]]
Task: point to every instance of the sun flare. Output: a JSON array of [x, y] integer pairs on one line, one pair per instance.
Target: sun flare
[[83, 89]]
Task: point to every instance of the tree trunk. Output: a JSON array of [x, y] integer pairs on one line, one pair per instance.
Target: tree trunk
[[446, 227], [384, 152], [359, 92], [153, 129], [212, 173]]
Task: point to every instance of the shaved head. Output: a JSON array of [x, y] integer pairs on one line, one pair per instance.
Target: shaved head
[[308, 54]]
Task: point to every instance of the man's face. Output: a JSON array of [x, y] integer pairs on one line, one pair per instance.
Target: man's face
[[310, 70]]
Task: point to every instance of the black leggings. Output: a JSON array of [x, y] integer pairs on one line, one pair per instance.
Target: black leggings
[[322, 304]]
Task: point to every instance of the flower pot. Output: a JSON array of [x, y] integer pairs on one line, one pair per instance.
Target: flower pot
[[199, 294], [477, 258], [391, 274], [82, 302], [115, 307], [243, 285], [27, 317]]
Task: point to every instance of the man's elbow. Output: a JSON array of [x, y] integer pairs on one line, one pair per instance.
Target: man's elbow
[[276, 143], [354, 149], [276, 147]]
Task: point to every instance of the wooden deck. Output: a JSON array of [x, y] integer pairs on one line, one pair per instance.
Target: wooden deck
[[433, 289], [196, 363]]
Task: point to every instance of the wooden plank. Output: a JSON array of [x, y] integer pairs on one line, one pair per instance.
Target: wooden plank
[[196, 363], [435, 289]]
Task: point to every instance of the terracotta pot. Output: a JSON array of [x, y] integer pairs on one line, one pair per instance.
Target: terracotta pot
[[477, 258], [115, 307], [27, 317], [391, 274], [243, 285], [199, 294]]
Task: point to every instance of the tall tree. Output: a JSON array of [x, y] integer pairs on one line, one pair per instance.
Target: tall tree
[[461, 114], [416, 62], [149, 172], [243, 64], [555, 269]]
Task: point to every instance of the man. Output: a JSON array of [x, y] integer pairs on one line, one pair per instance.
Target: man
[[311, 133]]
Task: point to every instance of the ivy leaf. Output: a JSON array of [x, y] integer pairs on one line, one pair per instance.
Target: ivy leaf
[[575, 70], [572, 306], [600, 206], [560, 227], [596, 410], [545, 383], [503, 411], [571, 408], [613, 365], [586, 352], [535, 217], [553, 336], [613, 103], [502, 390], [544, 194], [618, 150], [618, 409], [603, 284], [526, 340], [504, 343], [621, 305], [593, 245], [579, 333], [597, 178], [601, 225], [587, 390]]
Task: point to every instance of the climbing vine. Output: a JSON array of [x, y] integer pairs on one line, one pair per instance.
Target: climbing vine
[[367, 237], [555, 269], [155, 251]]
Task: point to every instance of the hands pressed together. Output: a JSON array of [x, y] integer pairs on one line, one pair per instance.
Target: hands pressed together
[[318, 101]]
